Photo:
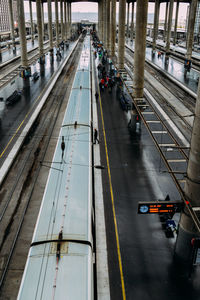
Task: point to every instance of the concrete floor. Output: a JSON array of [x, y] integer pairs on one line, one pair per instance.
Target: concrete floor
[[149, 269]]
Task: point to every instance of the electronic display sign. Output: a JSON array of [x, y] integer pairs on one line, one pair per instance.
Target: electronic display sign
[[156, 207]]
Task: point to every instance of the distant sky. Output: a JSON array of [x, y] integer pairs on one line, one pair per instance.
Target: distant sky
[[93, 7]]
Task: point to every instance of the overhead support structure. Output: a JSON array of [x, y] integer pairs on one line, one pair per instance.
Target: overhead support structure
[[121, 33], [187, 230], [113, 27], [156, 22], [31, 18], [127, 20], [50, 25], [171, 6], [166, 18], [176, 22], [108, 26], [11, 18], [140, 48], [190, 29], [39, 27], [57, 23], [22, 33], [132, 22]]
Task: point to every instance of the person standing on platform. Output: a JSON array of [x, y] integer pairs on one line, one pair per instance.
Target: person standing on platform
[[96, 136]]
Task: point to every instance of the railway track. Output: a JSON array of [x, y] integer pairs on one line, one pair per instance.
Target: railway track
[[167, 83], [17, 198], [15, 68], [169, 96]]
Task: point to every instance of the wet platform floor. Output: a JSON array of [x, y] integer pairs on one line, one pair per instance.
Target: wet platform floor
[[173, 67], [138, 174]]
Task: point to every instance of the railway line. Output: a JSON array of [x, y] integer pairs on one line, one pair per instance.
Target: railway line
[[17, 199], [9, 74]]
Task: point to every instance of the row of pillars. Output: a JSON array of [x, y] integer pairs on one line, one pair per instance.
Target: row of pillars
[[168, 25], [187, 229], [107, 32], [107, 22], [65, 25]]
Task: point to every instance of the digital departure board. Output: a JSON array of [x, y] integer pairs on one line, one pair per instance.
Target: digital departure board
[[156, 207]]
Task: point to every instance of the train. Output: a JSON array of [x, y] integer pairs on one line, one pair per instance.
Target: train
[[60, 263]]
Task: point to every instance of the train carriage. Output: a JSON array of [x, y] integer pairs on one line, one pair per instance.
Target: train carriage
[[60, 260]]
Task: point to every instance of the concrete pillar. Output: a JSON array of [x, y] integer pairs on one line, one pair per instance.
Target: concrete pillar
[[61, 20], [132, 22], [127, 20], [104, 23], [100, 23], [10, 6], [108, 26], [166, 18], [42, 12], [0, 50], [190, 30], [57, 23], [187, 229], [69, 19], [176, 22], [99, 20], [70, 6], [22, 33], [140, 48], [113, 26], [156, 22], [50, 24], [65, 21], [31, 18], [39, 26], [171, 5], [121, 33]]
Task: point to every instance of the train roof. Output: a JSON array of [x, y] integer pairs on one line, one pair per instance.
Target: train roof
[[66, 203], [45, 279], [65, 218]]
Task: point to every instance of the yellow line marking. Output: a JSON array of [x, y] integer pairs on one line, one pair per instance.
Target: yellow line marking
[[2, 153], [113, 206]]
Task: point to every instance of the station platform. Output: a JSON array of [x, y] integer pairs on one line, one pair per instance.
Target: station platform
[[8, 55], [149, 269], [173, 67], [179, 48]]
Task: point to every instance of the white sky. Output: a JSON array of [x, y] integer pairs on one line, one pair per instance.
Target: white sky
[[93, 7]]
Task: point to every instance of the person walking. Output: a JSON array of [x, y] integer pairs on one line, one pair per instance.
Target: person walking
[[96, 96], [96, 136]]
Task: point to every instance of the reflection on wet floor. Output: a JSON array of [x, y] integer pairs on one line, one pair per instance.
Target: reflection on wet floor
[[175, 68], [8, 53], [29, 89]]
